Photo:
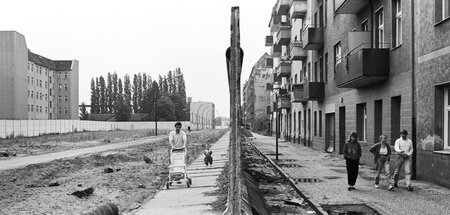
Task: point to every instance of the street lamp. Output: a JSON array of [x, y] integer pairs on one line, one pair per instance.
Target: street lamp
[[276, 88]]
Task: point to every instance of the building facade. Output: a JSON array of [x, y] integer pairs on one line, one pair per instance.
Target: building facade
[[35, 87], [370, 67], [256, 98], [202, 115]]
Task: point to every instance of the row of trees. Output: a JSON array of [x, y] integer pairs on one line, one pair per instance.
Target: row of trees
[[168, 92]]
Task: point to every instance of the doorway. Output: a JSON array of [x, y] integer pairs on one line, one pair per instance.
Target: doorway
[[341, 129], [329, 132]]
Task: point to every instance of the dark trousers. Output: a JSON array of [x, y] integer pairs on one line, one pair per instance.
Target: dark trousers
[[208, 160], [352, 171]]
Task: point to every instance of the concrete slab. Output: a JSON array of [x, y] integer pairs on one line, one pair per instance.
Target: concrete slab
[[179, 199]]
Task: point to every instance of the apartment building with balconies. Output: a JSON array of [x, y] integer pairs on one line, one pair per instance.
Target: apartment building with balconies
[[35, 87], [256, 96], [362, 63]]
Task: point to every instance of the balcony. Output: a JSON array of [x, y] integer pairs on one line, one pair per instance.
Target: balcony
[[284, 102], [313, 38], [269, 63], [349, 6], [269, 40], [275, 22], [284, 34], [282, 7], [363, 67], [284, 69], [298, 9], [276, 78], [269, 86], [313, 91], [297, 93], [297, 51], [276, 50]]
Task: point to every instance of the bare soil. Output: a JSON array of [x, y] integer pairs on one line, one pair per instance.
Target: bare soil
[[28, 190], [24, 146]]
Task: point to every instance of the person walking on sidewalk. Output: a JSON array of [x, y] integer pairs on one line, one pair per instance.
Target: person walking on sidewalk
[[352, 154], [404, 149], [177, 138], [382, 152]]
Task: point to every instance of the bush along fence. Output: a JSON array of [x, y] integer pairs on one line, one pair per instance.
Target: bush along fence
[[30, 128]]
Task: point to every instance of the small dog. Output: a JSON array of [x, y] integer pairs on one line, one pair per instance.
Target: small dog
[[208, 158]]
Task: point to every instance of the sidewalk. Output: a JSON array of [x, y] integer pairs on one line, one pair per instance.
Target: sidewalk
[[331, 189], [180, 199]]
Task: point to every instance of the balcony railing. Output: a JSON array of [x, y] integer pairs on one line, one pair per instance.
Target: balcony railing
[[269, 40], [284, 69], [349, 6], [298, 9], [284, 34], [275, 22], [313, 37], [284, 102], [297, 93], [313, 91], [297, 51], [276, 50], [363, 66], [282, 7]]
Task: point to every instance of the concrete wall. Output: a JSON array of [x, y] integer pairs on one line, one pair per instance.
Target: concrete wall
[[432, 75], [13, 75], [29, 128]]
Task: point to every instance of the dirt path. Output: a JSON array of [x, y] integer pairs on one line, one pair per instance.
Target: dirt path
[[17, 162]]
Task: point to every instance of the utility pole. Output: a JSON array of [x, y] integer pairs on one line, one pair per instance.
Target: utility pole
[[156, 111]]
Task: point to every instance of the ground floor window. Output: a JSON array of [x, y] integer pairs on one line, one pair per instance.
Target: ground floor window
[[446, 118]]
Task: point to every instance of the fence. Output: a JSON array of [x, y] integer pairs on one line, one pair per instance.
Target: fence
[[29, 128]]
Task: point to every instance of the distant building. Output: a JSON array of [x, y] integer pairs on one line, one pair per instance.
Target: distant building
[[35, 87], [256, 97], [202, 115]]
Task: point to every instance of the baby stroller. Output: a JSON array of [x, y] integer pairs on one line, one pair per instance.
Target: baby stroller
[[178, 168]]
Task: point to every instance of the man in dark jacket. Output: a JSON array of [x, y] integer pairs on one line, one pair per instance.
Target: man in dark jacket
[[382, 152]]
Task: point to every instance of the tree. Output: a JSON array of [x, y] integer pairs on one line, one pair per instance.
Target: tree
[[144, 84], [84, 115], [94, 98], [122, 112], [97, 94], [139, 93], [171, 82], [115, 89], [135, 94], [103, 96], [166, 108], [127, 90], [109, 92]]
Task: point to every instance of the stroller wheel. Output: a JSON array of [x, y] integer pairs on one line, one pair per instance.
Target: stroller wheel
[[167, 184], [187, 183]]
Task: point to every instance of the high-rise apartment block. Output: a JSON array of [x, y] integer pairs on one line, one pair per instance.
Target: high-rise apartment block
[[367, 66], [35, 87]]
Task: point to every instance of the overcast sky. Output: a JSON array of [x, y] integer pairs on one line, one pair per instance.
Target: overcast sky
[[148, 36]]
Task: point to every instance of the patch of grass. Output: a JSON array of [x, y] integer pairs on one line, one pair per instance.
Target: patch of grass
[[223, 185]]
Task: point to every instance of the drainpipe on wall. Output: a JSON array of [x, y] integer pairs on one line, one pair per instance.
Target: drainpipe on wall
[[413, 92]]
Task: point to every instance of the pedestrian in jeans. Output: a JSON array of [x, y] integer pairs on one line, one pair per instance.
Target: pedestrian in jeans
[[352, 153], [382, 152], [404, 149]]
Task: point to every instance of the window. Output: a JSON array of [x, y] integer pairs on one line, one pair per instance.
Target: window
[[50, 92], [59, 75], [59, 98], [50, 79], [37, 82], [28, 108], [46, 97], [365, 25], [28, 79], [65, 75], [325, 75], [28, 66], [37, 95], [65, 87], [40, 72], [40, 83], [45, 85], [32, 80], [40, 109], [66, 99], [309, 71], [337, 55], [379, 36], [316, 71], [45, 109], [50, 104], [60, 87], [59, 110], [321, 69], [65, 110], [40, 96], [315, 123], [447, 118], [320, 123], [441, 10], [32, 108], [28, 93], [361, 121], [397, 23], [325, 2], [32, 94]]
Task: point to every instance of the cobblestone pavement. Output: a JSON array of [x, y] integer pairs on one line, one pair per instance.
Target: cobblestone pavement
[[331, 189]]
